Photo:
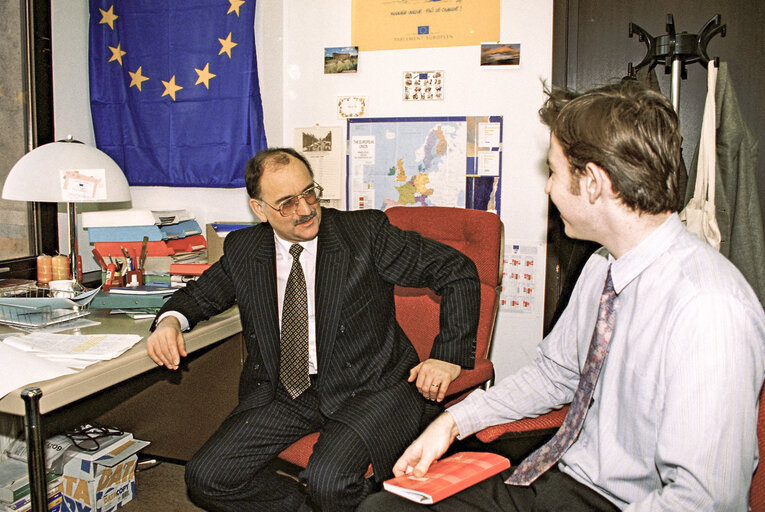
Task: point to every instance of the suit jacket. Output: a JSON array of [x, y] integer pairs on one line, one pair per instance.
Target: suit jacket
[[363, 356], [737, 201]]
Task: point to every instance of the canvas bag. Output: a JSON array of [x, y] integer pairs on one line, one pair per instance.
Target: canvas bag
[[699, 215]]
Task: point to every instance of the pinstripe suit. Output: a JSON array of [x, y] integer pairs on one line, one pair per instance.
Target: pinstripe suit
[[364, 358]]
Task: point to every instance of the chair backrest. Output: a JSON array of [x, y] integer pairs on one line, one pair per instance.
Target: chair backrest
[[477, 234], [757, 493]]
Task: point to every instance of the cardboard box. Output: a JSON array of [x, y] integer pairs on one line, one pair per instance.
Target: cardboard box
[[214, 243], [216, 233], [104, 480]]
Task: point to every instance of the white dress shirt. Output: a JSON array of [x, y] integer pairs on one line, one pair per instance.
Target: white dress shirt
[[672, 425], [283, 267]]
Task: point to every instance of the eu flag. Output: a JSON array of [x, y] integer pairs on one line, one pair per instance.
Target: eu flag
[[174, 89]]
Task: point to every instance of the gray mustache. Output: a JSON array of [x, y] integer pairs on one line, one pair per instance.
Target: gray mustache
[[305, 218]]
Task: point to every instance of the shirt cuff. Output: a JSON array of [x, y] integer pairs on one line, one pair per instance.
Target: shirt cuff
[[181, 319], [464, 414]]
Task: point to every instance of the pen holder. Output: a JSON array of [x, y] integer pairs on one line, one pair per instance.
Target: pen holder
[[134, 278], [116, 280]]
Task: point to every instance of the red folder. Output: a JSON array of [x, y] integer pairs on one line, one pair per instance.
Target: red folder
[[188, 269]]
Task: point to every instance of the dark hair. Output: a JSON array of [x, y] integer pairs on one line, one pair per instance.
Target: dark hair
[[253, 171], [631, 132]]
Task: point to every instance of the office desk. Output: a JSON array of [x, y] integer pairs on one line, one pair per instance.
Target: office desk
[[89, 393]]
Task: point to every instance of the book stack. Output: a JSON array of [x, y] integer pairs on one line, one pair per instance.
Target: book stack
[[15, 491]]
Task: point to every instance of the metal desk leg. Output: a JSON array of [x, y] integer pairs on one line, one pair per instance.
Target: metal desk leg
[[35, 453]]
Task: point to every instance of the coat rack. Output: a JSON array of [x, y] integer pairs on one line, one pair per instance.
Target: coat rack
[[675, 51]]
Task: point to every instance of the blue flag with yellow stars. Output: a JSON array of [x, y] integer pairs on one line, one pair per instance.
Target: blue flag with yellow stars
[[174, 89]]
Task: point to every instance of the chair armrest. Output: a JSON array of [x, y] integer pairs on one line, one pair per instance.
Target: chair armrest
[[549, 421]]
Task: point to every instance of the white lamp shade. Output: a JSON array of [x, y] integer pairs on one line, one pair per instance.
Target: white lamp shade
[[37, 176]]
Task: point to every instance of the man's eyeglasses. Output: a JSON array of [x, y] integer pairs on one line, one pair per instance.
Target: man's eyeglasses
[[86, 437], [290, 205]]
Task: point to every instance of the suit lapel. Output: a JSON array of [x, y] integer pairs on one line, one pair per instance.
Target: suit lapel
[[331, 276], [262, 283]]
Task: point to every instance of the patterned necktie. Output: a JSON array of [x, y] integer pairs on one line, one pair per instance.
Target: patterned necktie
[[547, 455], [293, 364]]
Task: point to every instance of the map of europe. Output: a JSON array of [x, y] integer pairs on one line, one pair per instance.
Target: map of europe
[[415, 163]]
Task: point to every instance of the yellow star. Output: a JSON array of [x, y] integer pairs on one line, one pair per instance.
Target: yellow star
[[117, 53], [108, 17], [171, 88], [137, 79], [204, 75], [226, 45], [235, 5]]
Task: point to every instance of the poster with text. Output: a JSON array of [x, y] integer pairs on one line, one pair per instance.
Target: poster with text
[[399, 24]]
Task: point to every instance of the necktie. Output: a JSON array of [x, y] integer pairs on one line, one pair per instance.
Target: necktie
[[548, 454], [293, 363]]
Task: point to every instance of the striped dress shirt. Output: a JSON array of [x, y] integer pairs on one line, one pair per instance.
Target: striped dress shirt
[[672, 425]]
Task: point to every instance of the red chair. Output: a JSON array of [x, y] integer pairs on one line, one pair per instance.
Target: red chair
[[545, 424], [552, 420], [479, 235], [757, 492]]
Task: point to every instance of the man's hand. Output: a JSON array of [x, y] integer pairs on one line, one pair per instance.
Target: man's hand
[[433, 378], [165, 345], [431, 444]]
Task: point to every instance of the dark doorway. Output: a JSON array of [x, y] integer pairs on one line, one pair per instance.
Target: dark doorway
[[591, 46]]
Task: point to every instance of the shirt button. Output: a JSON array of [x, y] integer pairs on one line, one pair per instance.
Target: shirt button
[[348, 364]]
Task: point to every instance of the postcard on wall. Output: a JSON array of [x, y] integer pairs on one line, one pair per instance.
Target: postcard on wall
[[399, 24], [351, 106], [341, 59], [501, 54], [323, 148], [423, 85]]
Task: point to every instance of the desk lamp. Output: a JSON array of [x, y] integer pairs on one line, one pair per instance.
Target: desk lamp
[[67, 172]]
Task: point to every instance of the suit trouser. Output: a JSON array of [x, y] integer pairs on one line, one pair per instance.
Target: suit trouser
[[553, 491], [229, 472]]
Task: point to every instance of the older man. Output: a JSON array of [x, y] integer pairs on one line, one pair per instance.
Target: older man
[[315, 293]]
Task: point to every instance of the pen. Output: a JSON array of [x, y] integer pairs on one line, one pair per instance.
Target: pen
[[144, 246], [126, 254]]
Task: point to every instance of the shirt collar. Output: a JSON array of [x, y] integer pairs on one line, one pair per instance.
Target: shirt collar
[[637, 259], [283, 246]]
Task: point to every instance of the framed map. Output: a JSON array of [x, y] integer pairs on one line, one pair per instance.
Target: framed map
[[424, 161]]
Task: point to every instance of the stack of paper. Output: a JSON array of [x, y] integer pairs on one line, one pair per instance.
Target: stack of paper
[[41, 356], [74, 351]]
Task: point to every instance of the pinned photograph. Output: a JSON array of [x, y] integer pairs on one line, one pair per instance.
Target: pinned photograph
[[341, 59], [500, 54]]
